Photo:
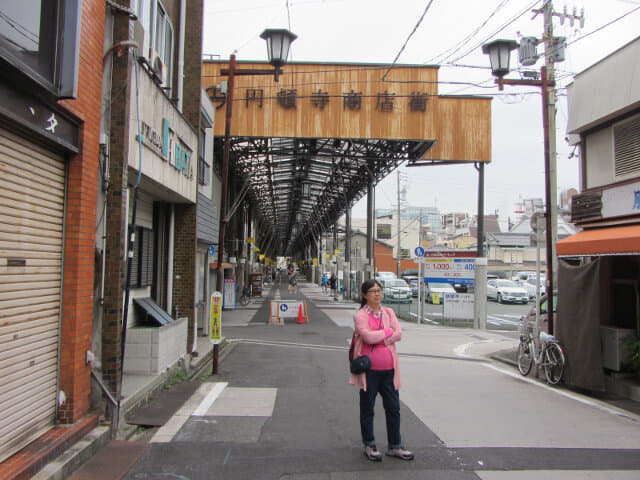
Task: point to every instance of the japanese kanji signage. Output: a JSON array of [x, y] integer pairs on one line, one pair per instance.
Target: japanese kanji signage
[[353, 101]]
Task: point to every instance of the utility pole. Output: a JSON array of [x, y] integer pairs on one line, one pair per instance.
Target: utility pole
[[549, 112], [552, 223], [398, 247]]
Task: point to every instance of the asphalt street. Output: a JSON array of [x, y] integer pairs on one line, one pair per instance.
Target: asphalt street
[[281, 408]]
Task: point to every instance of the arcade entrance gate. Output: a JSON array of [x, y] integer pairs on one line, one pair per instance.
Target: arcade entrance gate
[[307, 148]]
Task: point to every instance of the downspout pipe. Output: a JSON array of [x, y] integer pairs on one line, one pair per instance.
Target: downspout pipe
[[183, 22]]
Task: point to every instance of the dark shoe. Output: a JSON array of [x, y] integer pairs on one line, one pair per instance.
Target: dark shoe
[[400, 453], [372, 453]]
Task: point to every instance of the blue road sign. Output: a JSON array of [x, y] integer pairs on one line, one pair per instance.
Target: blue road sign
[[212, 250], [419, 251], [284, 307]]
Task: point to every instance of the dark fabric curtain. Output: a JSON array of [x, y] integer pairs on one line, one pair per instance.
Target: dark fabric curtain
[[578, 324]]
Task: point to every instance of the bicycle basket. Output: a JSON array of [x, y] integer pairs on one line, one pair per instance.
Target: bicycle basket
[[525, 328]]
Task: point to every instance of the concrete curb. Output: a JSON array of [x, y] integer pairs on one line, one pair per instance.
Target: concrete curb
[[79, 453]]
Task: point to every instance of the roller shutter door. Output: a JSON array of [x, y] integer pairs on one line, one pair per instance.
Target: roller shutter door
[[31, 233]]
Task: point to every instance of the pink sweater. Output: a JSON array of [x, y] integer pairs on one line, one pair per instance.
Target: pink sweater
[[364, 334]]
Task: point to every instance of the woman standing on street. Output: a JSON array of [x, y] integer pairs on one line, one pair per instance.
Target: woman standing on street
[[377, 330]]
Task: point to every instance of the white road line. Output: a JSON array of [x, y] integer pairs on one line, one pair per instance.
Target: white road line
[[211, 397], [573, 396]]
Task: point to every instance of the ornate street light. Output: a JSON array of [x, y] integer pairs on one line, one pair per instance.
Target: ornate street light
[[499, 52], [278, 42]]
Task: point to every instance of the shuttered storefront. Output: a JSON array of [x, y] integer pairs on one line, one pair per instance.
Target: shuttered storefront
[[31, 240]]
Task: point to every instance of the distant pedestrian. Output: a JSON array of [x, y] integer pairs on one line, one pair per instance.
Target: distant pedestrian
[[325, 282], [333, 284], [292, 281], [376, 332]]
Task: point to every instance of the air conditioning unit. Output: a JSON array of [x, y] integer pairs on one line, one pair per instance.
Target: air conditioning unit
[[140, 38], [614, 353]]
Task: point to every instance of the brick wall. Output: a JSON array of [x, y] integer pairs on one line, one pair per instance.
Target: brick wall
[[184, 264], [386, 262], [77, 301], [185, 251]]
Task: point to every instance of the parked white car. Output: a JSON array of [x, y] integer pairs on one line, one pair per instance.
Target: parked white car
[[380, 276], [521, 277], [506, 291], [437, 288], [396, 290], [530, 286]]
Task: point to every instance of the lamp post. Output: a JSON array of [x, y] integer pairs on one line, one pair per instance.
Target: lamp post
[[499, 52], [278, 43]]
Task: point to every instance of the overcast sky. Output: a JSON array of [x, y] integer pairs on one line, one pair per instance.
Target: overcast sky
[[452, 31]]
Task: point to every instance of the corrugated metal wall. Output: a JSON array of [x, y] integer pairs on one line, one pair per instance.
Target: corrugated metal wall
[[32, 193]]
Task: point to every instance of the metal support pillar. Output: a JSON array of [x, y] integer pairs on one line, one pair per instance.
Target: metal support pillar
[[347, 252], [370, 273], [480, 288]]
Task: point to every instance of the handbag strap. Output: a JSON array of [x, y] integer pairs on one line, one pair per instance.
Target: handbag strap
[[379, 323]]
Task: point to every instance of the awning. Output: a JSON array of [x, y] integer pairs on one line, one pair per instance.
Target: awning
[[621, 240], [153, 311]]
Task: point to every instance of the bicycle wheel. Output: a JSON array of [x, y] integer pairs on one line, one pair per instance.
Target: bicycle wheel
[[554, 363], [244, 300], [525, 358]]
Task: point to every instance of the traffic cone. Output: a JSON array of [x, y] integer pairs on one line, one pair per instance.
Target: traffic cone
[[300, 316]]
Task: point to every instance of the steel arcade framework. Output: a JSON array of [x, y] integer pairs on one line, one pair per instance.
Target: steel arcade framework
[[307, 148]]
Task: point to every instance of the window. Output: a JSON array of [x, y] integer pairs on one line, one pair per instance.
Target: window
[[626, 142], [203, 166], [142, 260], [162, 41], [383, 230], [40, 39]]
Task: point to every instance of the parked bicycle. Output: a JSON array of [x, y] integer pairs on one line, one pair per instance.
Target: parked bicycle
[[546, 352], [245, 297]]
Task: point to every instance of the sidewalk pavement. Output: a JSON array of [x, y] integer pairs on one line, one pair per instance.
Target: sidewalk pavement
[[465, 342]]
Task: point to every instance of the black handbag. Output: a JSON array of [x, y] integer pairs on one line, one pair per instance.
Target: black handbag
[[363, 362], [360, 364]]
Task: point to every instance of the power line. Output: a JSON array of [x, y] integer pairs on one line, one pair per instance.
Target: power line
[[502, 27], [444, 55], [407, 40]]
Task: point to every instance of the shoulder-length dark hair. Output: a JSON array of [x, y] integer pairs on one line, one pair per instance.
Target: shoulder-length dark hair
[[366, 286]]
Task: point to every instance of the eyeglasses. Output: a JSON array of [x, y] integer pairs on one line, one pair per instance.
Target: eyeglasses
[[374, 290]]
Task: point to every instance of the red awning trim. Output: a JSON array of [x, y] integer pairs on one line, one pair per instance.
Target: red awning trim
[[621, 240]]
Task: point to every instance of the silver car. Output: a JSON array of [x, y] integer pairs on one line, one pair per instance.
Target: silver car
[[396, 290], [506, 291]]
